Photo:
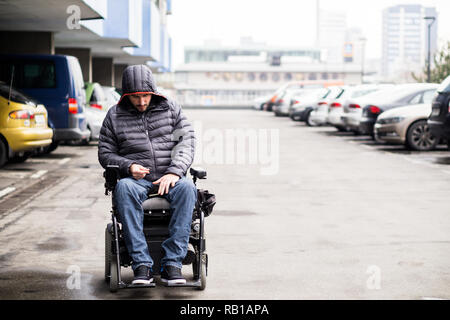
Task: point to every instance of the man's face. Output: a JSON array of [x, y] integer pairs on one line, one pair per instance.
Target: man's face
[[140, 101]]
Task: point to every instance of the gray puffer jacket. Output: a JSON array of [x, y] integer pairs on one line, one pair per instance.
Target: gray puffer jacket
[[160, 138]]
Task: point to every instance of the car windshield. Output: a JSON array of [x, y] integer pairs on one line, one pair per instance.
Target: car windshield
[[445, 85], [360, 93], [311, 93], [334, 93], [15, 96]]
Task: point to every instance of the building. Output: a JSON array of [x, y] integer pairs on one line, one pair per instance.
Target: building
[[219, 75], [405, 40], [105, 35], [331, 34]]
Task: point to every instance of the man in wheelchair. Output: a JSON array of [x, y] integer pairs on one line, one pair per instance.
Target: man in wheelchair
[[150, 140]]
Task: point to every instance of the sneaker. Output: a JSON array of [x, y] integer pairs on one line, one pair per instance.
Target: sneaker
[[142, 275], [172, 275]]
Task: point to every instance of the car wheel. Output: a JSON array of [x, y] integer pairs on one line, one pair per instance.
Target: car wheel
[[3, 153], [19, 158], [52, 147], [419, 137], [308, 120]]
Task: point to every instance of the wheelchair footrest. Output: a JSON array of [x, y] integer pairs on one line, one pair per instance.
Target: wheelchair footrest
[[137, 286], [194, 283]]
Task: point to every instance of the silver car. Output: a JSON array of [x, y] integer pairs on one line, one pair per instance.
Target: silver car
[[301, 106], [406, 125], [319, 114], [336, 107], [352, 110], [102, 99]]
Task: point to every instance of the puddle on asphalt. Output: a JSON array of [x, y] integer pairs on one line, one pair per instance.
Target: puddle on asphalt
[[6, 257], [33, 284], [18, 169], [58, 244]]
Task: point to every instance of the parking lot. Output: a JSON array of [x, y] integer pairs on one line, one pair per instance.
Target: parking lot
[[336, 217]]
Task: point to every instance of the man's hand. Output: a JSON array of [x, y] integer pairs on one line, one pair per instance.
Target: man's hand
[[166, 181], [138, 171]]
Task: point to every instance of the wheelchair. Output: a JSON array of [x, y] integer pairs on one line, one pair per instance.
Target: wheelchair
[[157, 214]]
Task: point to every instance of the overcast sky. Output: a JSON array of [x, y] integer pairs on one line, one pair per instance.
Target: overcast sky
[[281, 22]]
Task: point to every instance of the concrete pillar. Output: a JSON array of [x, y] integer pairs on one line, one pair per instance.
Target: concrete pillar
[[84, 57], [27, 42], [103, 71], [118, 71]]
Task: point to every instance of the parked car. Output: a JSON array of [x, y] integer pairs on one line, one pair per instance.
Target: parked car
[[319, 113], [23, 125], [259, 102], [439, 119], [302, 106], [112, 96], [56, 81], [406, 125], [95, 96], [336, 106], [99, 100], [352, 111], [408, 94], [280, 91], [281, 106]]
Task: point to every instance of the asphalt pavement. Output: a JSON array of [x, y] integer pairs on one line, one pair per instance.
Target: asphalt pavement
[[302, 213]]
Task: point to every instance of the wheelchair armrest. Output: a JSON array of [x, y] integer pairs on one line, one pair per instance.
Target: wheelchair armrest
[[198, 172], [111, 175]]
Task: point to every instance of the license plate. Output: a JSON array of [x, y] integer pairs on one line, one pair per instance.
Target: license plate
[[40, 119]]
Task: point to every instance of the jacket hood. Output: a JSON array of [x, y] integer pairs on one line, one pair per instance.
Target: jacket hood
[[139, 79]]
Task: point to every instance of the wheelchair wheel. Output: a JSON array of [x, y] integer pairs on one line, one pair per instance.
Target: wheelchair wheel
[[114, 278], [202, 274], [108, 239]]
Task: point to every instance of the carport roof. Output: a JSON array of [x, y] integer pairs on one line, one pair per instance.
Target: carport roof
[[51, 16], [41, 15]]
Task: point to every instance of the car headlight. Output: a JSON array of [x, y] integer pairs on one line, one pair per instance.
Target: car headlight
[[390, 120]]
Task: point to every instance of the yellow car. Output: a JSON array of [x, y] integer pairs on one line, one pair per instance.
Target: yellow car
[[23, 125]]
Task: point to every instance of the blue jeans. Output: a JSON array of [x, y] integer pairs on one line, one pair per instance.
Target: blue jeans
[[129, 196]]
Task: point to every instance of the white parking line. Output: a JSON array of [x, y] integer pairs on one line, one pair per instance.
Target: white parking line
[[65, 160], [5, 191], [39, 174]]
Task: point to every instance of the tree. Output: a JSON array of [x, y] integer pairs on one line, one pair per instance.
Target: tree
[[441, 67]]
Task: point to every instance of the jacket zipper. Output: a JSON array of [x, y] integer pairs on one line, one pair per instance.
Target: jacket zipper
[[149, 140]]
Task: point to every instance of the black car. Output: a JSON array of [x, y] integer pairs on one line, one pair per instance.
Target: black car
[[407, 94], [439, 120]]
